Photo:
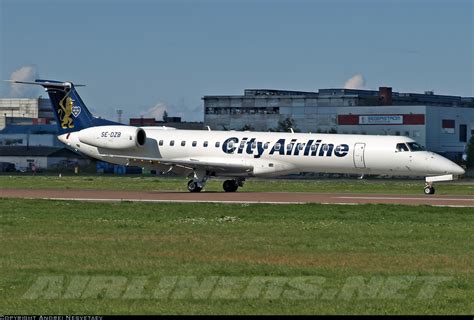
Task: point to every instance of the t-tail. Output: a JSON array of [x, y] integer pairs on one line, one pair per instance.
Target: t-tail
[[70, 111]]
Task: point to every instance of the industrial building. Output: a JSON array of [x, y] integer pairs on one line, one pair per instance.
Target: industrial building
[[19, 111], [442, 123], [28, 137], [174, 122], [28, 146]]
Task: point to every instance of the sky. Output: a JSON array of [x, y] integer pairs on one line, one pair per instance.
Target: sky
[[145, 56]]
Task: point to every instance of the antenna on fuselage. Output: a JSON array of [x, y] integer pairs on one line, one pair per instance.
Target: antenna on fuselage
[[291, 129], [208, 128]]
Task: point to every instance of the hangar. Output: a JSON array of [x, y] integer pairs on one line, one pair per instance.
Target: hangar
[[25, 158]]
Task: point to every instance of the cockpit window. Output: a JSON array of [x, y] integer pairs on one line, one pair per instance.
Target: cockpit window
[[402, 147], [415, 146]]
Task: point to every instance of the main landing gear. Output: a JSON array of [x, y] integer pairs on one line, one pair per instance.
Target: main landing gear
[[199, 181], [228, 185], [195, 186], [233, 185]]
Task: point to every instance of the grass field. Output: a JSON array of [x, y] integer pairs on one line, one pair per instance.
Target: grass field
[[117, 258], [147, 183]]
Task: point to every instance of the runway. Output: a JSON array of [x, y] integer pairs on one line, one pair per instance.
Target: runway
[[237, 197]]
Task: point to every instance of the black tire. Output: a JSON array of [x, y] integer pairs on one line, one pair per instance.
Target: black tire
[[193, 186], [429, 190], [230, 186]]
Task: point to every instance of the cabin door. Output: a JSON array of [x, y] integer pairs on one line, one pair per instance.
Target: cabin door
[[359, 161]]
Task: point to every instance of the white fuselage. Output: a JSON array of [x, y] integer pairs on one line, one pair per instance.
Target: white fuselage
[[269, 153]]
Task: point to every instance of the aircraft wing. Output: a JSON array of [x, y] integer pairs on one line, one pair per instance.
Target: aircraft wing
[[206, 163]]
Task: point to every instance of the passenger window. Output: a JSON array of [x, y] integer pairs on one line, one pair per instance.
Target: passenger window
[[265, 146], [289, 146], [160, 143], [172, 143], [183, 143], [205, 144], [254, 145], [194, 143], [218, 144], [401, 147], [300, 146], [277, 147], [313, 147]]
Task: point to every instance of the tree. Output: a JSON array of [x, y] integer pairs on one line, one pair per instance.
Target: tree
[[286, 125], [165, 116], [247, 127], [470, 153]]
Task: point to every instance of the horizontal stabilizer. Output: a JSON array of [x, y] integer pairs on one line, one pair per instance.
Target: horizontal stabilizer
[[47, 83]]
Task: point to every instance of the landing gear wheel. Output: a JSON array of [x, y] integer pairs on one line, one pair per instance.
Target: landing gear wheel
[[193, 186], [230, 186], [429, 190]]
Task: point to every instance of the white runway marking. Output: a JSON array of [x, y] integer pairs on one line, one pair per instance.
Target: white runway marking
[[402, 198], [174, 201], [254, 202]]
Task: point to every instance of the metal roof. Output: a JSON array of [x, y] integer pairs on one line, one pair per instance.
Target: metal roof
[[30, 129]]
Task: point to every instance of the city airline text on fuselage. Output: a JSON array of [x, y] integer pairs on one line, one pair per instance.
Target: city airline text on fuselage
[[310, 148]]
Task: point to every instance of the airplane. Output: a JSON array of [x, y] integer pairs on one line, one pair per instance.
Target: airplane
[[200, 154]]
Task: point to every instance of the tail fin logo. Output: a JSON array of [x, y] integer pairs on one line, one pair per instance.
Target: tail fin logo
[[76, 110], [65, 111]]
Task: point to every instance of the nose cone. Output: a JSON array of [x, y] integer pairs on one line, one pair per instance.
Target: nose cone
[[442, 165], [457, 170]]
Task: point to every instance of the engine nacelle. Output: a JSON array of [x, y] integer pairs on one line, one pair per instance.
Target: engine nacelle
[[113, 137]]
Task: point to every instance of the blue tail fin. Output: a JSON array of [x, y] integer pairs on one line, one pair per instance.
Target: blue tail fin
[[70, 111]]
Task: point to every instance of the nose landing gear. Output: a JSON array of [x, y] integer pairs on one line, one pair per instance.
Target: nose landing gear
[[429, 188]]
